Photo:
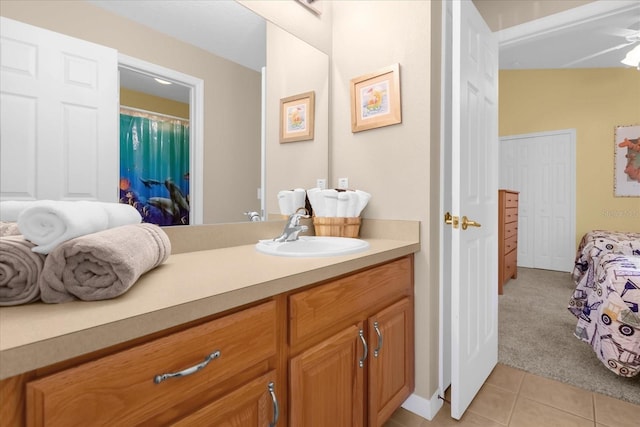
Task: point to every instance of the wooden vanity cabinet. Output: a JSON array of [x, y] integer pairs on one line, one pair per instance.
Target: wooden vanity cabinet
[[335, 353], [126, 388], [351, 342]]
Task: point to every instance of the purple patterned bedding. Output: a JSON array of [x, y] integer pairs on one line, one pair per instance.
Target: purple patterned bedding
[[606, 300]]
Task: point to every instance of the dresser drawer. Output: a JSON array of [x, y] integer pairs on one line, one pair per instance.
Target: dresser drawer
[[510, 265], [120, 389], [510, 215], [510, 200], [510, 244], [510, 230], [314, 311]]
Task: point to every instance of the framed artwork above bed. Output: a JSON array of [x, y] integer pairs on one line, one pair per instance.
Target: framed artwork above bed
[[627, 161]]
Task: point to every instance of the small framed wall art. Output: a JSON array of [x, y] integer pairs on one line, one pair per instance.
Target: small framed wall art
[[297, 117], [627, 161], [375, 99]]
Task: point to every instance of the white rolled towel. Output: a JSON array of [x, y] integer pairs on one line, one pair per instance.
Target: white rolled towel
[[10, 209], [285, 202], [299, 199], [317, 201], [363, 199], [48, 223], [330, 202]]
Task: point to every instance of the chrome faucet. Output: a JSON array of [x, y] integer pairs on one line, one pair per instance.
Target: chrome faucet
[[253, 216], [293, 227]]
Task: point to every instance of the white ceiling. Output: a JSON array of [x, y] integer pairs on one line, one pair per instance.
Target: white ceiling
[[222, 27], [589, 36]]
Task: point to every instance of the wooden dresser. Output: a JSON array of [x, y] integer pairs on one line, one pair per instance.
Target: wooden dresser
[[507, 236]]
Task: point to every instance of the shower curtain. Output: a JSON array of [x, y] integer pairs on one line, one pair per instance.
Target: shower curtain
[[154, 166]]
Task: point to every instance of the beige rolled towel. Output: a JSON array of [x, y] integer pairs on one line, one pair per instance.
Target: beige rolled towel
[[8, 228], [20, 269], [102, 265]]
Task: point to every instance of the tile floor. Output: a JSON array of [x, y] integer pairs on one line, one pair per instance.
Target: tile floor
[[514, 398]]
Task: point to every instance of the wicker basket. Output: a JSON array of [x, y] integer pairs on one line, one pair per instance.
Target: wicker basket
[[337, 227]]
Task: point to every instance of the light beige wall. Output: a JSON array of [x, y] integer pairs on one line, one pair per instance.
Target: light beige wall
[[231, 138], [594, 102], [294, 68], [393, 163]]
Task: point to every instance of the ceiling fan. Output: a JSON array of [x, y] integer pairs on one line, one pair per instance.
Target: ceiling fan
[[631, 37]]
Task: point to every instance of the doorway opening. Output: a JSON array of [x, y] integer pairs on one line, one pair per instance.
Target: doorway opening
[[170, 196]]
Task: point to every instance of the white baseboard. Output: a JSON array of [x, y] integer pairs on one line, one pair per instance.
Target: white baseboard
[[426, 408]]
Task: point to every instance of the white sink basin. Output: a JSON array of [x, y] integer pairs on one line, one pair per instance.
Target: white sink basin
[[313, 246]]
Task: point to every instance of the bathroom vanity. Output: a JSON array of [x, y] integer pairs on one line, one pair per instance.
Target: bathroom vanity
[[227, 335]]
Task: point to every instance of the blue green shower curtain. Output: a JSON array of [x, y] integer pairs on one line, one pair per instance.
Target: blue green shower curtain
[[154, 166]]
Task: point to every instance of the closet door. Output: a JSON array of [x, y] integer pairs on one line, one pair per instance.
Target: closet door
[[59, 114], [541, 167]]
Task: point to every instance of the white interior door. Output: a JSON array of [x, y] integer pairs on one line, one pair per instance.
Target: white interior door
[[541, 166], [474, 189], [59, 113]]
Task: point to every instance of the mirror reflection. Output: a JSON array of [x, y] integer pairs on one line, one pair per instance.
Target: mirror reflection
[[233, 172]]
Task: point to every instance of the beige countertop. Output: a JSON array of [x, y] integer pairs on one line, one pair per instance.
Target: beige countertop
[[189, 286]]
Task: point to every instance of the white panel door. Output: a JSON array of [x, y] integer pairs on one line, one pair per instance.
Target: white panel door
[[474, 195], [59, 112], [541, 166]]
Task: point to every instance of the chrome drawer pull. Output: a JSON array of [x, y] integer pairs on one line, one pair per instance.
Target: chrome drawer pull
[[366, 348], [276, 408], [376, 352], [159, 378]]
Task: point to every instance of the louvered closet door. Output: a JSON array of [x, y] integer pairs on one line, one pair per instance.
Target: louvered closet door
[[541, 167], [59, 113]]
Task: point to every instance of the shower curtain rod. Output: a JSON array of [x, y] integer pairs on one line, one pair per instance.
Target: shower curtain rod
[[151, 114]]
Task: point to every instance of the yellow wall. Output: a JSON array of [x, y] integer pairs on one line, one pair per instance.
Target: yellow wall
[[594, 102], [143, 101]]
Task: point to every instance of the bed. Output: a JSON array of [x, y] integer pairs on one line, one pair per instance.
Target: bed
[[606, 299]]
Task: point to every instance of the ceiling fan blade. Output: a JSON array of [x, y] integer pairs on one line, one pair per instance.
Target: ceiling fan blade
[[594, 55]]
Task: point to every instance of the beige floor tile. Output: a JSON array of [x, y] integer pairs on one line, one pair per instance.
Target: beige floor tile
[[529, 413], [469, 419], [405, 418], [559, 395], [494, 403], [616, 413], [506, 377]]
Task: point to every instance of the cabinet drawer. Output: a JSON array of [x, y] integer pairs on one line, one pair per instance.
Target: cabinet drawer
[[510, 230], [120, 389], [510, 244], [313, 311], [510, 265], [510, 200], [510, 215]]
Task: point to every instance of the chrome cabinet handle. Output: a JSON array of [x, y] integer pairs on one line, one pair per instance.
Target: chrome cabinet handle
[[366, 348], [159, 378], [376, 352], [276, 409]]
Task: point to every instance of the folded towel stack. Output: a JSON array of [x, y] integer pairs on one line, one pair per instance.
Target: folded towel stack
[[48, 223], [289, 201], [20, 269], [337, 203], [8, 228], [61, 251], [102, 265]]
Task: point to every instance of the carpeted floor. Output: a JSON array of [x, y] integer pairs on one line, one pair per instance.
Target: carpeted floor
[[536, 335]]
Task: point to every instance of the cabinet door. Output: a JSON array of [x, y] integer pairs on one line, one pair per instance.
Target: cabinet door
[[327, 382], [252, 405], [391, 360]]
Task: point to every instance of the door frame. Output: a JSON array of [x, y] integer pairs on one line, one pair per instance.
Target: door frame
[[196, 125]]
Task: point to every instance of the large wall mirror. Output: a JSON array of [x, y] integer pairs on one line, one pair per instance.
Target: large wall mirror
[[194, 38]]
